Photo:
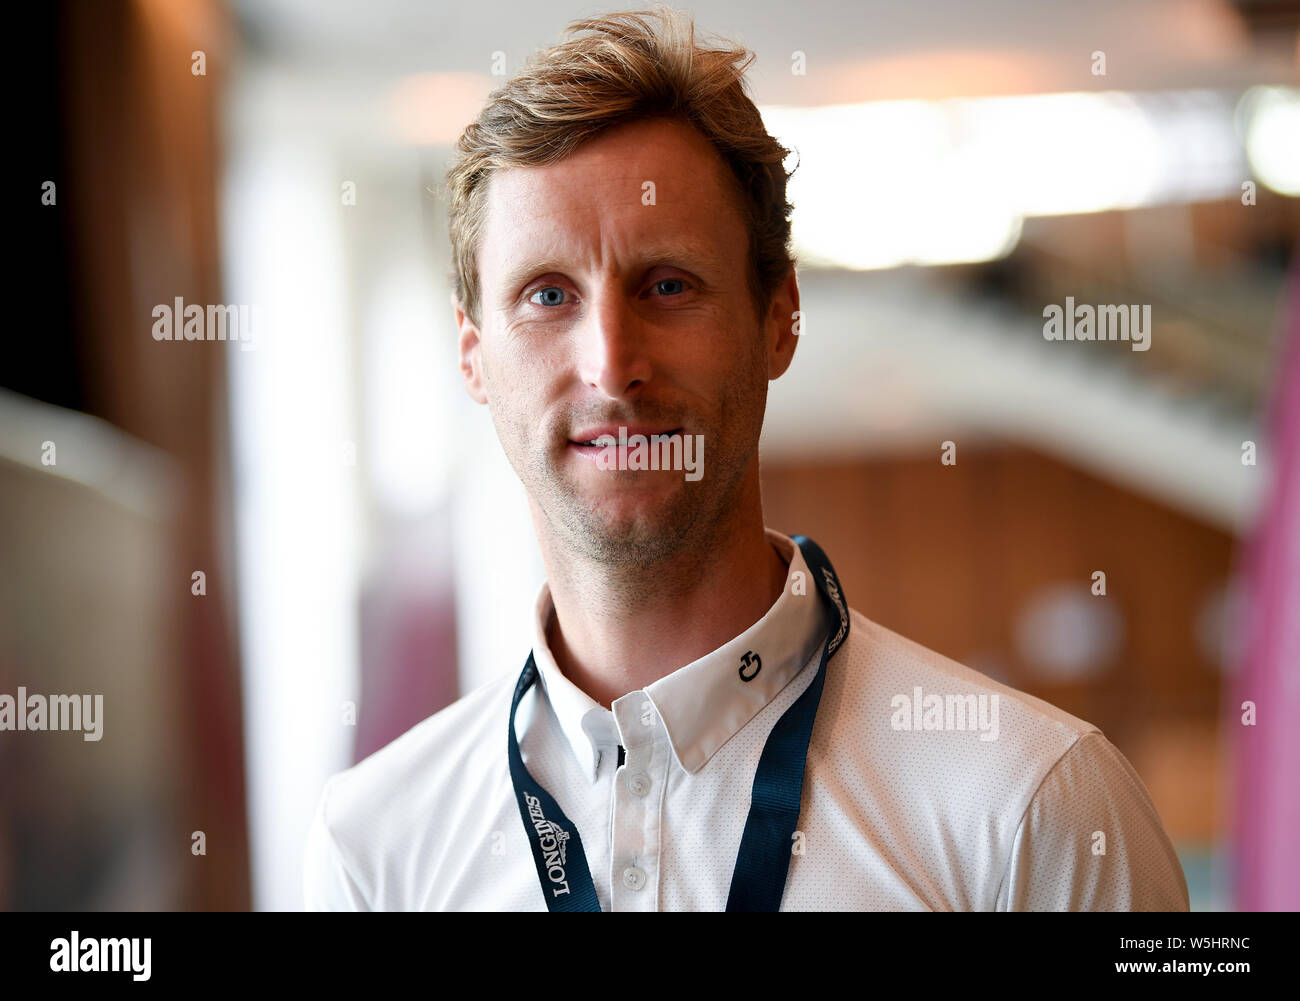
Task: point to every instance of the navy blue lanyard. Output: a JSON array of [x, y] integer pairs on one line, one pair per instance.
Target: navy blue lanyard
[[763, 862]]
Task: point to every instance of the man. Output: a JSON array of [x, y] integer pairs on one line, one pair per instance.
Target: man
[[703, 724]]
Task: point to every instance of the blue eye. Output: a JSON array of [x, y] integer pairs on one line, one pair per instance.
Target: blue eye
[[556, 296], [548, 288]]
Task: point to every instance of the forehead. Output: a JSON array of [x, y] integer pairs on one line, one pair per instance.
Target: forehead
[[594, 202]]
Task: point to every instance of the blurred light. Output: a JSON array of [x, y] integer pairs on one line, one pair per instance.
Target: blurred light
[[431, 109], [408, 392], [1066, 633], [880, 185], [1273, 137], [1220, 626], [298, 515], [888, 183], [1066, 153]]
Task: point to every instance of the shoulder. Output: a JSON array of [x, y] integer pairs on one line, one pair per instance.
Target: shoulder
[[881, 664], [1017, 781], [1091, 839], [919, 728], [436, 752], [382, 808]]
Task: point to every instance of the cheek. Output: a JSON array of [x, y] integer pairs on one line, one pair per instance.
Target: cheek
[[503, 397], [503, 363], [520, 386], [528, 359], [738, 371]]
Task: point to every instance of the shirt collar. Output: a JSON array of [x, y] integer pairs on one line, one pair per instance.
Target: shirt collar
[[705, 703]]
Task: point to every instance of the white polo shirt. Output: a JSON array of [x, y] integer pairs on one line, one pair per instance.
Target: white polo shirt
[[928, 786]]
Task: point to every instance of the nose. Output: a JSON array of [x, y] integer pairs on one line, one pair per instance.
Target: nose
[[613, 353]]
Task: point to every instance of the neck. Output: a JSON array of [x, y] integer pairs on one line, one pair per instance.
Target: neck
[[704, 595]]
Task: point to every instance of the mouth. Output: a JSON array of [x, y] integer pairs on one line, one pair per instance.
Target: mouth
[[594, 441]]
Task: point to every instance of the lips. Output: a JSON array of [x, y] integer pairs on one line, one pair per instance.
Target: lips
[[589, 437]]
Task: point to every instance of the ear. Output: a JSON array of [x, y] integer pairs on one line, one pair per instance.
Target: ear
[[781, 326], [471, 359]]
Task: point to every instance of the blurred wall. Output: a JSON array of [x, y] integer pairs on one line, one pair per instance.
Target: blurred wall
[[129, 145]]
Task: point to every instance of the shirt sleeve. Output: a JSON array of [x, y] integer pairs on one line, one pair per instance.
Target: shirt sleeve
[[327, 883], [1091, 840]]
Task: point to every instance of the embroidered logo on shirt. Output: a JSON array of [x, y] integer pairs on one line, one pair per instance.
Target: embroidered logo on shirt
[[552, 839], [750, 659]]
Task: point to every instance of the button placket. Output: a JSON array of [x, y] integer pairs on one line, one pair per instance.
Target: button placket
[[636, 848]]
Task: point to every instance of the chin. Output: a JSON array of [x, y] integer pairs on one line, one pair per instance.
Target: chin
[[631, 528]]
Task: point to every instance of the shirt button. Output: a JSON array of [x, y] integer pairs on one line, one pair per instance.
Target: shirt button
[[633, 878], [647, 714], [639, 784]]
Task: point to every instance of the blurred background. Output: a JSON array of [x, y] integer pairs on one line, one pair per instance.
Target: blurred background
[[274, 554]]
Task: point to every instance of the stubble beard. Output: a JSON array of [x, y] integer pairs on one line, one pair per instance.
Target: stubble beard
[[628, 545], [636, 541]]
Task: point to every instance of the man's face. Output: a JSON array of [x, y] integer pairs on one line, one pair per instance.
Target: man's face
[[607, 303]]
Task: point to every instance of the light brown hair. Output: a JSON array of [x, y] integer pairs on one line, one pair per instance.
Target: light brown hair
[[617, 69]]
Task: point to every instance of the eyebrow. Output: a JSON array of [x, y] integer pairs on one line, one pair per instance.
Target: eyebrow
[[682, 255]]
